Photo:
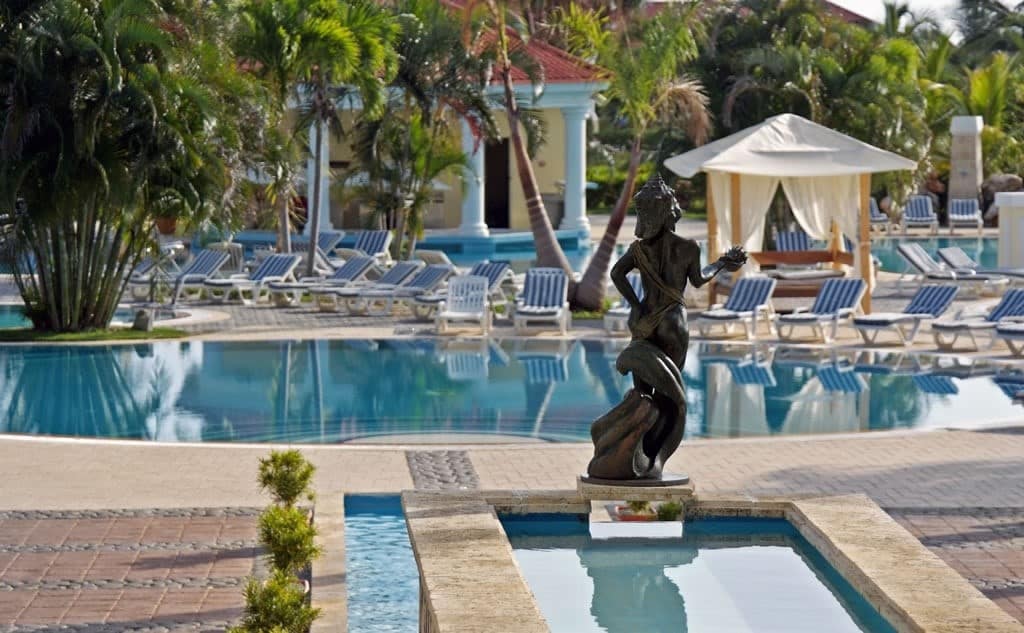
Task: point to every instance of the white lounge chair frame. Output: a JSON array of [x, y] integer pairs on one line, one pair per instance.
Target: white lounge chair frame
[[466, 302]]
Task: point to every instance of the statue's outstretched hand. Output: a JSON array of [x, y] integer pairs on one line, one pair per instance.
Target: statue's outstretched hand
[[733, 259]]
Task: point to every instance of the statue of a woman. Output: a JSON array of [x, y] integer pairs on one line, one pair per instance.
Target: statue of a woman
[[633, 441]]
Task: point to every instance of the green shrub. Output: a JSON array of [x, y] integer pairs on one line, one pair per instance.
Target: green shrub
[[670, 511], [639, 507], [286, 475], [277, 606], [289, 537]]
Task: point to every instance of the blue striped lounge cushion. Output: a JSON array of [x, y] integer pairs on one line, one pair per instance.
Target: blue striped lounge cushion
[[932, 299], [963, 209], [919, 208], [836, 295], [749, 293], [1011, 305], [372, 242], [544, 290], [792, 241]]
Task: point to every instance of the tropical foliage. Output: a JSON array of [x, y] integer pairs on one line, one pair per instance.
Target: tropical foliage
[[112, 113]]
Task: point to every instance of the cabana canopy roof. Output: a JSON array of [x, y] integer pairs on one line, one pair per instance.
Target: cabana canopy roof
[[788, 145]]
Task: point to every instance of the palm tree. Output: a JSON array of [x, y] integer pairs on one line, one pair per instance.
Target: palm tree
[[351, 53], [645, 85], [113, 112], [508, 48]]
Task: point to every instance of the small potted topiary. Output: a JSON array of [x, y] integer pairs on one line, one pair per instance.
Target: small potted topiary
[[635, 511]]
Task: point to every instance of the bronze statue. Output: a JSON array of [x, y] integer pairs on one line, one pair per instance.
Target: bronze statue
[[633, 441]]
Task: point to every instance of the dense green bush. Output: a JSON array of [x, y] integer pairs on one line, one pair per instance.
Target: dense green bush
[[289, 537], [670, 511], [277, 606], [286, 475], [609, 183]]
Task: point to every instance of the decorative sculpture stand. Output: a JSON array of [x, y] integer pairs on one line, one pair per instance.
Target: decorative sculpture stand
[[633, 441]]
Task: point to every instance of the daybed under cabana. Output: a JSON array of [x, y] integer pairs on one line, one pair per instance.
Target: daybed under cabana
[[826, 177]]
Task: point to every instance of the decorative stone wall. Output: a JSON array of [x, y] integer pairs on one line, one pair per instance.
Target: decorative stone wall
[[965, 171]]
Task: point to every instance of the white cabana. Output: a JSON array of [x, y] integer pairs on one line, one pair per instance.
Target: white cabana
[[826, 176]]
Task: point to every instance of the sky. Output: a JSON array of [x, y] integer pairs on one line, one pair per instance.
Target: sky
[[942, 9]]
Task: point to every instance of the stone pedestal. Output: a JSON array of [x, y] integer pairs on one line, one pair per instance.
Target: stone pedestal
[[1011, 229], [965, 172], [600, 492]]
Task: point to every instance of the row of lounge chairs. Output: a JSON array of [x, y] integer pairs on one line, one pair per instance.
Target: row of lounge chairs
[[962, 212]]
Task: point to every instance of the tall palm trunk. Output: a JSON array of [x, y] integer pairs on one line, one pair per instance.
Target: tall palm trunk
[[284, 234], [400, 224], [591, 290], [314, 204], [549, 252]]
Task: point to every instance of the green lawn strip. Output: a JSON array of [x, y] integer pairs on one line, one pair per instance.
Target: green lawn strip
[[28, 335]]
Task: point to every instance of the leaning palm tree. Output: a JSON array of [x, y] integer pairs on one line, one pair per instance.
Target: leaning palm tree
[[508, 47], [646, 86]]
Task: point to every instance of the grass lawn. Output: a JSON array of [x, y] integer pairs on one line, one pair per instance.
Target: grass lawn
[[28, 335]]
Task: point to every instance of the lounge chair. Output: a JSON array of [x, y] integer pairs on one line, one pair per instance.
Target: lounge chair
[[921, 267], [790, 241], [1011, 306], [918, 212], [378, 301], [837, 301], [617, 318], [749, 299], [1012, 333], [957, 259], [204, 264], [429, 257], [928, 303], [285, 293], [544, 299], [329, 299], [965, 212], [879, 219], [752, 373], [466, 300], [1012, 385], [374, 244], [277, 267], [496, 272]]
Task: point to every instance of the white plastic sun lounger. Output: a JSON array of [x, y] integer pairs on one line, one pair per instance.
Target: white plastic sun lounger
[[918, 212], [544, 300], [930, 302], [927, 269], [285, 293], [278, 267], [1012, 333], [496, 272], [1011, 306], [965, 212], [379, 301], [330, 299], [205, 264], [957, 259], [837, 301], [374, 244], [466, 301], [748, 301]]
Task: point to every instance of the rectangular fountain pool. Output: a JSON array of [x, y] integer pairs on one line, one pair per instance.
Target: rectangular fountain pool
[[714, 576], [381, 576]]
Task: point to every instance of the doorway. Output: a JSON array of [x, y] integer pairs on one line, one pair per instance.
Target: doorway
[[496, 184]]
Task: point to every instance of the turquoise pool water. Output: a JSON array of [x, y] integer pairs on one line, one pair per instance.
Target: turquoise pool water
[[12, 316], [984, 250], [369, 391], [380, 570], [709, 576]]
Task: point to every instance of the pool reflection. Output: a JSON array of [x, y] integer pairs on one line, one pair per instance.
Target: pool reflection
[[547, 390]]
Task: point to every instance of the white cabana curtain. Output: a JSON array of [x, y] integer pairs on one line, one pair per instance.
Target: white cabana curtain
[[733, 409], [817, 201], [756, 194]]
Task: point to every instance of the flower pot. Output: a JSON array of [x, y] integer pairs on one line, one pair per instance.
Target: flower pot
[[623, 513], [166, 226]]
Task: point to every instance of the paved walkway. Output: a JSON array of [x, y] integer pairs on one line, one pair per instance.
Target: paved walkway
[[961, 493]]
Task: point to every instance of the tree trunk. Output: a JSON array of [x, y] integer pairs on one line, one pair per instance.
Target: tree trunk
[[592, 288], [314, 204], [400, 224], [549, 252], [284, 228]]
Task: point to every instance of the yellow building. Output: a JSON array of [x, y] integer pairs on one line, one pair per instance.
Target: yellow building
[[489, 195]]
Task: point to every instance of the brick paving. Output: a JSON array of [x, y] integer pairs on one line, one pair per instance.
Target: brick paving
[[125, 571]]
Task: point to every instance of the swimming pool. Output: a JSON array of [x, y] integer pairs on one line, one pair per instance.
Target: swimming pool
[[380, 570], [422, 389], [13, 316], [984, 250], [705, 576]]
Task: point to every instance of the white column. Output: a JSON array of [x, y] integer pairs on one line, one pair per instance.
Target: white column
[[325, 178], [473, 194], [575, 215], [965, 157], [1011, 229]]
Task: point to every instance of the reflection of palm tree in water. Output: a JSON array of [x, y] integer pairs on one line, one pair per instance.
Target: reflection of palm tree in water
[[631, 590]]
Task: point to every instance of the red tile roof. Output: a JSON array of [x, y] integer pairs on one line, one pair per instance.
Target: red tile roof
[[558, 65]]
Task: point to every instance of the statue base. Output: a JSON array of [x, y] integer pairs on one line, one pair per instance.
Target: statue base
[[667, 479]]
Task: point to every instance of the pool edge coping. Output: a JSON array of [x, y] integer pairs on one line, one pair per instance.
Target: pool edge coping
[[461, 580]]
